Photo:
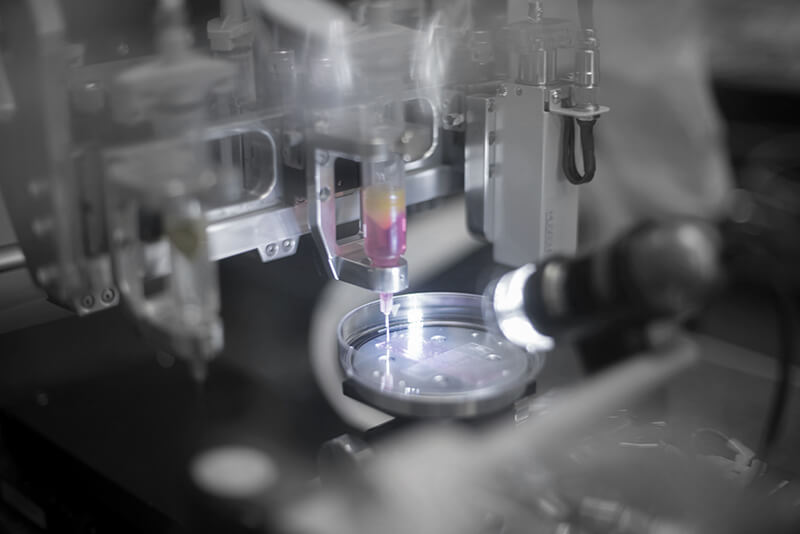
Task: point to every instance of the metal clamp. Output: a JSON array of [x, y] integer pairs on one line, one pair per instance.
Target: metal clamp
[[346, 261]]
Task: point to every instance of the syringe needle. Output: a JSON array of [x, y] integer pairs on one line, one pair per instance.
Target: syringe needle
[[386, 303], [386, 309]]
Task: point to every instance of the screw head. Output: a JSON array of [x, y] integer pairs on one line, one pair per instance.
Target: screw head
[[87, 301], [519, 91], [452, 120], [502, 90], [108, 295], [288, 244], [324, 194], [271, 249], [323, 158]]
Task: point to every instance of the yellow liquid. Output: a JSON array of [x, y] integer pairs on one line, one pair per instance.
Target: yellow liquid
[[384, 204]]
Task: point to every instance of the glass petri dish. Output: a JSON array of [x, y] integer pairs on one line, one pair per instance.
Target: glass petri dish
[[440, 359]]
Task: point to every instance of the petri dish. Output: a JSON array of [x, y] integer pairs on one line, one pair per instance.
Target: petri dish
[[440, 359]]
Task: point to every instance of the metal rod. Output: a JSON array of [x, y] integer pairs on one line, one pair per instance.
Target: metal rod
[[11, 258]]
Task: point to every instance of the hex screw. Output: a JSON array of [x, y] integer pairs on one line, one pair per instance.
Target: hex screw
[[324, 194], [323, 157], [271, 249], [108, 295], [87, 301], [288, 244]]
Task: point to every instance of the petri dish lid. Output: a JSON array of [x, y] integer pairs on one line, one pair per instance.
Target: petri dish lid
[[440, 361]]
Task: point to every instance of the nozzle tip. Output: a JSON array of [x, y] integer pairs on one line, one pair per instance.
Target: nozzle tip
[[386, 303]]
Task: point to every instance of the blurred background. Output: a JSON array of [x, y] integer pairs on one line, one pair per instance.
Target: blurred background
[[103, 425]]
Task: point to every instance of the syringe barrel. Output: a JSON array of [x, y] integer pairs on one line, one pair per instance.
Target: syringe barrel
[[384, 210]]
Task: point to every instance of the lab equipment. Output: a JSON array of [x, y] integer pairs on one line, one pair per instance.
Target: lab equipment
[[604, 301], [132, 169], [160, 164], [384, 205], [441, 360]]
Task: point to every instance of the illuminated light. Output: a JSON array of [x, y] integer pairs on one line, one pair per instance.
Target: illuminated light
[[416, 339], [521, 332], [509, 312], [234, 471]]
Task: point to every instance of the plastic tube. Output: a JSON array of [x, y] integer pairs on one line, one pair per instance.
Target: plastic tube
[[384, 216]]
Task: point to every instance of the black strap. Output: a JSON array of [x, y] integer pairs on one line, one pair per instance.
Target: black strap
[[587, 147]]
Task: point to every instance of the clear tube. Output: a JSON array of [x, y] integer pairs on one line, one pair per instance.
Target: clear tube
[[383, 205], [384, 211]]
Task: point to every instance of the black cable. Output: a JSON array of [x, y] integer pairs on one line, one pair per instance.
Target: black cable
[[587, 149], [787, 316]]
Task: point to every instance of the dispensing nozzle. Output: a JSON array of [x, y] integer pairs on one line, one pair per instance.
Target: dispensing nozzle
[[384, 216]]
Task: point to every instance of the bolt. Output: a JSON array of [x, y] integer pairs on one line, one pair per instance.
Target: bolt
[[323, 157], [535, 11], [324, 194], [108, 295], [492, 137], [288, 244], [555, 95], [454, 119], [87, 301], [502, 90], [407, 157], [519, 91], [271, 249]]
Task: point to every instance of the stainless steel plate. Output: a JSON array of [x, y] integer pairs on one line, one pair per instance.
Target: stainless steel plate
[[440, 359]]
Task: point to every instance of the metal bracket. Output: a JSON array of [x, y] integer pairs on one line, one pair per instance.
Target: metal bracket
[[346, 261], [555, 107]]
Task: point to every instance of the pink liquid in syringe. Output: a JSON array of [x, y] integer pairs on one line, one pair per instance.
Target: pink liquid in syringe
[[384, 224]]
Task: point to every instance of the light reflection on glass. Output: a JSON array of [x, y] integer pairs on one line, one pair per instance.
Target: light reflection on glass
[[521, 331], [415, 334]]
